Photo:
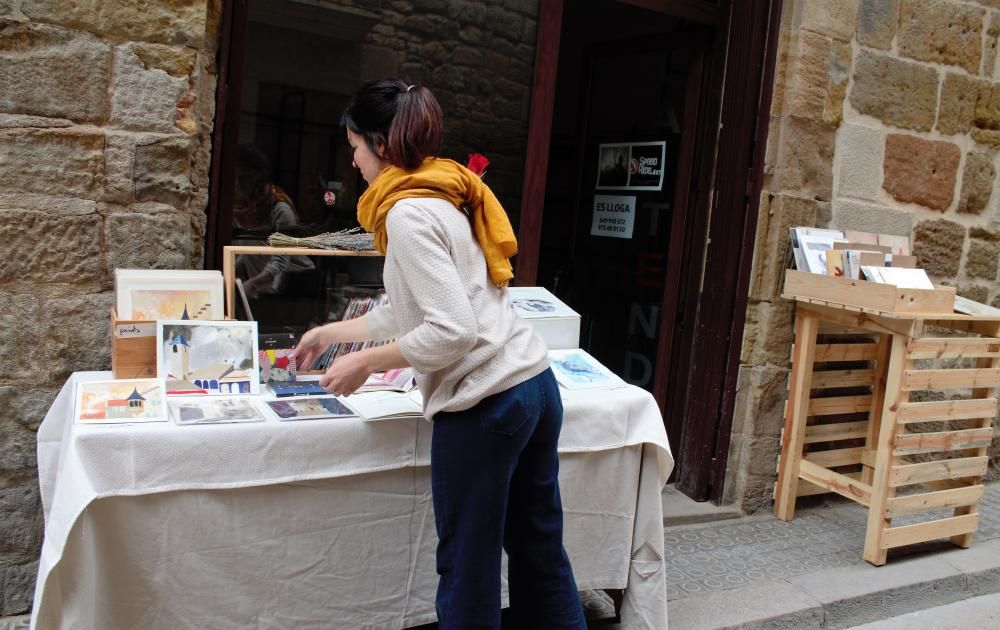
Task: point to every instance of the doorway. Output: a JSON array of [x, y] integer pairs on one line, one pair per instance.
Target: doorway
[[621, 188]]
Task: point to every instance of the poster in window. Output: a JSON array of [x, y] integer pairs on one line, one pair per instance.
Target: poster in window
[[631, 166]]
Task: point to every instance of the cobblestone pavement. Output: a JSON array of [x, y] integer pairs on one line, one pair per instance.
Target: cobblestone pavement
[[828, 533]]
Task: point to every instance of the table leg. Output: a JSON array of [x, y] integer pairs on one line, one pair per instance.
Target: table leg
[[796, 412], [875, 551]]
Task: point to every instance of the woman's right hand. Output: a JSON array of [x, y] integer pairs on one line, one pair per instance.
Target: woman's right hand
[[313, 344]]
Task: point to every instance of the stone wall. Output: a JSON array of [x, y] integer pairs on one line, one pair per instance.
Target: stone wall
[[105, 126], [886, 118]]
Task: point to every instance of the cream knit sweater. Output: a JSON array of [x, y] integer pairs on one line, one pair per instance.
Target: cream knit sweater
[[457, 330]]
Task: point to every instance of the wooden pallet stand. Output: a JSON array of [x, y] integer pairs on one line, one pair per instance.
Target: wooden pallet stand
[[891, 401]]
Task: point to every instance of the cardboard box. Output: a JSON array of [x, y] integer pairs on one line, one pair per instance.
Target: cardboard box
[[557, 323]]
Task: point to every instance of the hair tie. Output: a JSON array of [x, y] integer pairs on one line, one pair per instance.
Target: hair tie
[[410, 88]]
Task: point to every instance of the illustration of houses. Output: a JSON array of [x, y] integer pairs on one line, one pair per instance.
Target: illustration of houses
[[221, 378], [131, 407]]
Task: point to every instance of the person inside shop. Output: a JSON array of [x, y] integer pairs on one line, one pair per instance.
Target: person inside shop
[[260, 208], [483, 372]]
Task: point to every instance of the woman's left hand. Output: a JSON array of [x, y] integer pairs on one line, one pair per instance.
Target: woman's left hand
[[347, 374]]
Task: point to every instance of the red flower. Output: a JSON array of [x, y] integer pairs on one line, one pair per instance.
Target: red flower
[[477, 164]]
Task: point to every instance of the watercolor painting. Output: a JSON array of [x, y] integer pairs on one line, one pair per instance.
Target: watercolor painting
[[575, 369], [154, 304], [277, 364], [132, 400], [201, 357], [198, 410], [309, 408]]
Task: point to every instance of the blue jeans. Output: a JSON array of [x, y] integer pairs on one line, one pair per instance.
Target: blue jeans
[[495, 482]]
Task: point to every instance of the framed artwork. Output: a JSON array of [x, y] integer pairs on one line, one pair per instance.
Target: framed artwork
[[208, 357], [121, 401], [152, 294]]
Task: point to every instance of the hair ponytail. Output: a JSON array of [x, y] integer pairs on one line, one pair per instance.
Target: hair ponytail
[[403, 124]]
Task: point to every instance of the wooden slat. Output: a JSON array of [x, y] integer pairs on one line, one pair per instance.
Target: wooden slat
[[845, 351], [933, 530], [808, 488], [947, 410], [930, 501], [827, 328], [950, 379], [839, 404], [835, 482], [949, 348], [792, 441], [907, 474], [842, 378], [836, 432], [836, 457], [912, 443]]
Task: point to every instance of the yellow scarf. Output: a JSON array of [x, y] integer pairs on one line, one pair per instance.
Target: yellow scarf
[[444, 179]]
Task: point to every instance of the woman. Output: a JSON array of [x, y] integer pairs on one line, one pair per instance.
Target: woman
[[483, 372], [261, 205]]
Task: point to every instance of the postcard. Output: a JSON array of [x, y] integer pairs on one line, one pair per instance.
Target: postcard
[[310, 408], [575, 369], [277, 365], [204, 410], [208, 357], [121, 401], [153, 294], [396, 380]]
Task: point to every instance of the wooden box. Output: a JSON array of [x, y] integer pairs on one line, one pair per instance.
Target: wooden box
[[133, 347], [870, 296]]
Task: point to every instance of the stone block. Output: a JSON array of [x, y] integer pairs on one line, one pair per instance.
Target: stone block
[[17, 450], [959, 95], [992, 40], [64, 206], [19, 588], [468, 13], [767, 334], [899, 93], [162, 171], [180, 22], [983, 257], [10, 11], [149, 83], [78, 322], [40, 247], [921, 171], [52, 161], [161, 241], [935, 244], [877, 20], [817, 82], [835, 19], [974, 292], [943, 32], [20, 505], [21, 328], [977, 183], [27, 405], [772, 251], [854, 215], [55, 73], [759, 407], [504, 23], [21, 121], [804, 162], [860, 152]]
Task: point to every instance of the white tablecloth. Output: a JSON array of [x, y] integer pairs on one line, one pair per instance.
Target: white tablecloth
[[313, 524]]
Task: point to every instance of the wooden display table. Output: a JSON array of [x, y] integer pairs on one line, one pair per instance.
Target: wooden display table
[[888, 412]]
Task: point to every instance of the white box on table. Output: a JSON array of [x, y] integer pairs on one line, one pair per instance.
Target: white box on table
[[557, 323]]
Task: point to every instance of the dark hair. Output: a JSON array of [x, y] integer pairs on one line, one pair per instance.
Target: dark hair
[[252, 186], [401, 123]]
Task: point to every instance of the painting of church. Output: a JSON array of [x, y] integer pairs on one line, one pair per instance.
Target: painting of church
[[216, 357]]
